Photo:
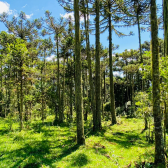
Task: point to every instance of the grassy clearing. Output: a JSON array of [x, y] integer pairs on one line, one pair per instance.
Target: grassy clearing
[[44, 145]]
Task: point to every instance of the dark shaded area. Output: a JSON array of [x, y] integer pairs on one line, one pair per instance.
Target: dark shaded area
[[4, 131], [37, 127], [39, 149], [90, 132], [32, 165], [80, 160], [127, 139]]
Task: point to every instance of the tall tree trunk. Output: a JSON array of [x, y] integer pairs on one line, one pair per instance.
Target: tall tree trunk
[[165, 13], [71, 91], [9, 90], [21, 96], [26, 111], [43, 88], [63, 91], [78, 79], [140, 46], [112, 99], [160, 159], [86, 21], [165, 122], [58, 86], [166, 115], [44, 84], [18, 95], [97, 115], [83, 74], [42, 96], [1, 91], [105, 85], [88, 103], [132, 95]]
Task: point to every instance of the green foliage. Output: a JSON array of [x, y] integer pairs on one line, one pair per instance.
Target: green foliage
[[107, 106], [120, 111], [144, 104], [146, 66]]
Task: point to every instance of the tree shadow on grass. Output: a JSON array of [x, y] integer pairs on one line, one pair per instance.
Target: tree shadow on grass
[[4, 131], [127, 139], [80, 160], [37, 127], [60, 131], [36, 153], [67, 151], [32, 165], [95, 133], [33, 152]]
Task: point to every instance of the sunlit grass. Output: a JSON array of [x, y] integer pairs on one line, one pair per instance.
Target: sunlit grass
[[45, 145]]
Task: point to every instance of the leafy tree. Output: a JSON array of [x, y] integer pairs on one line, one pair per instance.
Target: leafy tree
[[5, 39], [144, 107]]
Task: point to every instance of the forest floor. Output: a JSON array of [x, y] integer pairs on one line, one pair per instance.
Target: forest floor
[[44, 145]]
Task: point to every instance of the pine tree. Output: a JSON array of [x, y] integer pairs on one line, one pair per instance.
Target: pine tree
[[97, 112], [160, 159], [56, 29], [78, 80], [165, 17]]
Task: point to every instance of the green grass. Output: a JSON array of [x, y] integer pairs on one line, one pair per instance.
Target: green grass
[[45, 146]]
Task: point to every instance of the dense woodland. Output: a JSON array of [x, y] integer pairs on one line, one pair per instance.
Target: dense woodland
[[78, 90]]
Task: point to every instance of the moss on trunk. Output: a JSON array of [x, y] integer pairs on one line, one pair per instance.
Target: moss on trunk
[[160, 159]]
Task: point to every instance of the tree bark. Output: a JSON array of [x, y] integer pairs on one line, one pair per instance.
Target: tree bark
[[160, 159], [140, 47], [89, 60], [21, 96], [1, 91], [71, 91], [63, 91], [78, 80], [112, 99], [165, 14], [97, 115]]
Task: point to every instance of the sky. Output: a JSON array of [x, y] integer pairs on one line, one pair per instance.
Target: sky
[[36, 9]]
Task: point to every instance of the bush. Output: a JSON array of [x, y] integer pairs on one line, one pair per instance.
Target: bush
[[107, 106], [120, 111]]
